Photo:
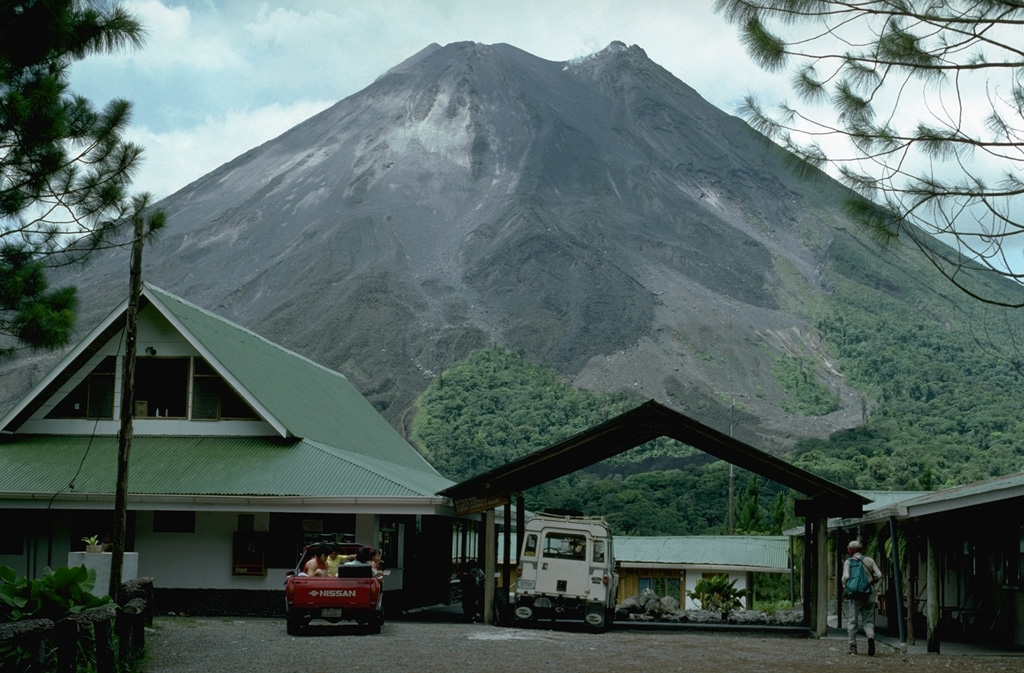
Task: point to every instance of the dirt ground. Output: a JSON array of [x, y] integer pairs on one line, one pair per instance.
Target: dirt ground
[[229, 645]]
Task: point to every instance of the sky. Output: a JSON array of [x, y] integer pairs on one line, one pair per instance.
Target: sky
[[219, 77]]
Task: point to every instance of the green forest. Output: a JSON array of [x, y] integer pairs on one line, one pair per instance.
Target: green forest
[[939, 409]]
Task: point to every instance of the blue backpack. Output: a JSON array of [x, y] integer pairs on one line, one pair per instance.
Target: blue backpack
[[858, 586]]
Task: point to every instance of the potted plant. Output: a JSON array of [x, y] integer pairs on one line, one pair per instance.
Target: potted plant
[[92, 543]]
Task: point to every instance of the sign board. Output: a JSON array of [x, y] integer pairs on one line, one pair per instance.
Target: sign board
[[474, 504]]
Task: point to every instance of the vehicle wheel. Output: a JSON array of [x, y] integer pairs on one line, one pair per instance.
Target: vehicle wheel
[[294, 626], [375, 624]]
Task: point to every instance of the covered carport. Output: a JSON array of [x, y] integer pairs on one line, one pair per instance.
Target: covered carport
[[498, 487]]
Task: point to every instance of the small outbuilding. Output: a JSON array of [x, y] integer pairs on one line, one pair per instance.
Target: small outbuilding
[[672, 565]]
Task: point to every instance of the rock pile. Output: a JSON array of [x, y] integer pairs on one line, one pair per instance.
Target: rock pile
[[648, 606]]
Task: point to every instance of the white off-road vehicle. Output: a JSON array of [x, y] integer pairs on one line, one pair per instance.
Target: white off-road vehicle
[[566, 570]]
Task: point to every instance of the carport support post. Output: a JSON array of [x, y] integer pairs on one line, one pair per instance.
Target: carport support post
[[816, 574], [821, 566], [837, 566], [932, 605], [897, 580], [490, 563], [506, 543]]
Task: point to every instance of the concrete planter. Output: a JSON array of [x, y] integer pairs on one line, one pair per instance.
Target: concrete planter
[[100, 562]]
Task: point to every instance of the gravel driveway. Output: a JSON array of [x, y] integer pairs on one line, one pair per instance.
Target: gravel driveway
[[228, 645]]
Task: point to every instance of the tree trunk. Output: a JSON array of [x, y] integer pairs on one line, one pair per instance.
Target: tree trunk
[[124, 443]]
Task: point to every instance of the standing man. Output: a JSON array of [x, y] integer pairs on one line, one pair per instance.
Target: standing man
[[860, 578]]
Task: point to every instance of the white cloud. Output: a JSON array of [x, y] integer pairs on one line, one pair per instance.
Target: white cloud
[[208, 64], [175, 158]]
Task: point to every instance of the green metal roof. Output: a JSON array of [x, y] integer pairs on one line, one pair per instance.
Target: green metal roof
[[311, 401], [990, 490], [883, 499], [205, 466], [745, 551]]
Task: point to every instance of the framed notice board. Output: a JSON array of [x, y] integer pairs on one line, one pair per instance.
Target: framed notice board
[[248, 557]]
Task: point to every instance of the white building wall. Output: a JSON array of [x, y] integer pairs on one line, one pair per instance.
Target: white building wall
[[197, 560], [204, 559]]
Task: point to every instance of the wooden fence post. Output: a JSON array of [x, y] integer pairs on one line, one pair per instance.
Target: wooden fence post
[[66, 631], [130, 629], [33, 635]]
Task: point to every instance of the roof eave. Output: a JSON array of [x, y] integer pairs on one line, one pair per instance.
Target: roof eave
[[258, 503]]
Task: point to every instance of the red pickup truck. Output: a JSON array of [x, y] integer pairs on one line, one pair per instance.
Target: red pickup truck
[[354, 595]]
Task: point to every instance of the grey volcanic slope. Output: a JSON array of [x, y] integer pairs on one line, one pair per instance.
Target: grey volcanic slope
[[598, 214]]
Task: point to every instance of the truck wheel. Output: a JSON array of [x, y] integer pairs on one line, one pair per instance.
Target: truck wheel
[[294, 626], [375, 623]]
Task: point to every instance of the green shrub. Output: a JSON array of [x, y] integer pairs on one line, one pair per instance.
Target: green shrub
[[771, 607], [717, 594], [55, 595]]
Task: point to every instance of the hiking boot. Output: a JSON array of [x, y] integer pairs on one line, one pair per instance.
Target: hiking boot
[[871, 647], [853, 648]]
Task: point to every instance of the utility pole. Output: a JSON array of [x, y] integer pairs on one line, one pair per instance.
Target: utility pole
[[124, 443], [732, 485]]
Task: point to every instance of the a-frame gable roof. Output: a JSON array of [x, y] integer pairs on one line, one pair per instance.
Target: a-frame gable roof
[[298, 397], [630, 429], [309, 400]]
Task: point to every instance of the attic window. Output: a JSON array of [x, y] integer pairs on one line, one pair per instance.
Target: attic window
[[93, 397], [213, 398], [161, 387]]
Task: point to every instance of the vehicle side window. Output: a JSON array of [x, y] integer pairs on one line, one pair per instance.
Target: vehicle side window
[[531, 545], [598, 551], [565, 546]]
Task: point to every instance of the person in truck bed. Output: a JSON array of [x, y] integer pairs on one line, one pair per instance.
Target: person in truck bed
[[335, 559], [362, 557], [317, 566]]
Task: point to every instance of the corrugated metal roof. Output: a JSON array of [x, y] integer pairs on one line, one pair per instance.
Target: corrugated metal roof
[[883, 499], [1009, 485], [313, 402], [769, 552], [205, 466]]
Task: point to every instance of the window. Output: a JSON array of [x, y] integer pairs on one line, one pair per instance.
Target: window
[[530, 549], [391, 532], [212, 398], [93, 397], [661, 586], [161, 391], [598, 551], [565, 546], [161, 387]]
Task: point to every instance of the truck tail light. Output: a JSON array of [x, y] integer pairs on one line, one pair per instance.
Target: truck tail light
[[519, 571], [374, 590], [605, 581], [289, 593]]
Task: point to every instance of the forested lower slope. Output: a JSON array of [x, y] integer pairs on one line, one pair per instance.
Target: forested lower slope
[[941, 400]]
